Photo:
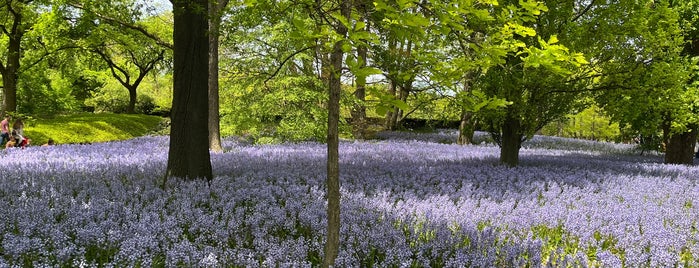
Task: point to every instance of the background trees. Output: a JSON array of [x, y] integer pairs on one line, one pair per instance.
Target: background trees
[[649, 84], [17, 20], [440, 61]]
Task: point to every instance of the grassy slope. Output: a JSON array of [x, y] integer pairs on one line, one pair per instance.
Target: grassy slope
[[80, 128]]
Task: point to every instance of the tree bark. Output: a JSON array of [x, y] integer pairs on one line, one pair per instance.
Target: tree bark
[[10, 69], [511, 141], [390, 122], [189, 150], [133, 96], [359, 120], [359, 108], [466, 128], [214, 118], [332, 245], [679, 147]]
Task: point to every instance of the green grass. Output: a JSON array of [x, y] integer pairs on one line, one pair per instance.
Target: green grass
[[89, 128]]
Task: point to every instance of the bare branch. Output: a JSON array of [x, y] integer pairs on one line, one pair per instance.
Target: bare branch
[[113, 67], [284, 62], [587, 8]]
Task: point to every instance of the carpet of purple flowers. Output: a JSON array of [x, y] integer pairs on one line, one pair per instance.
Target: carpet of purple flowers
[[409, 200]]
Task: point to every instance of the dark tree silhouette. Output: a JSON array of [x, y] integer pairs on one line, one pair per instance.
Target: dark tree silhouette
[[189, 148]]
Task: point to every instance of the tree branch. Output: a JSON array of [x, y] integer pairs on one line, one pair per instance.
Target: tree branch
[[279, 68], [134, 27], [587, 8], [113, 67], [43, 57]]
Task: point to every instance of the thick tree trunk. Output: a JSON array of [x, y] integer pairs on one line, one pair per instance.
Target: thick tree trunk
[[131, 108], [466, 128], [679, 147], [9, 90], [189, 150], [10, 71], [214, 121], [511, 141]]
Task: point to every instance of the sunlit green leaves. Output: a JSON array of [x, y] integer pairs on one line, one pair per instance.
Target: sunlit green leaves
[[552, 56], [386, 102], [532, 6], [518, 29], [476, 100]]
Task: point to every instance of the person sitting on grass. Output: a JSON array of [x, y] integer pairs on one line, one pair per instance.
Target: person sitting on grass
[[11, 143], [18, 140]]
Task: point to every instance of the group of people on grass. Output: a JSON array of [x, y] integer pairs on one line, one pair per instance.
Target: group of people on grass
[[13, 137]]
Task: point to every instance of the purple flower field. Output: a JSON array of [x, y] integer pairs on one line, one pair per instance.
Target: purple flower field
[[409, 200]]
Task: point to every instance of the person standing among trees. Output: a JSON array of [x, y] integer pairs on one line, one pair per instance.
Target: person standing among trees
[[5, 129]]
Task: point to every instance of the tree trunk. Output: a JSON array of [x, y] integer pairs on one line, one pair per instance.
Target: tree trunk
[[679, 147], [214, 118], [359, 120], [466, 128], [188, 156], [390, 122], [9, 90], [511, 141], [131, 108], [359, 124], [332, 245], [402, 96], [10, 71]]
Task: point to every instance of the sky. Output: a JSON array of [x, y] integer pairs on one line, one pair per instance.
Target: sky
[[158, 5]]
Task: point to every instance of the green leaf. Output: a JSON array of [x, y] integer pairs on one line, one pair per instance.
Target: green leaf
[[342, 19], [489, 2], [367, 71], [553, 39]]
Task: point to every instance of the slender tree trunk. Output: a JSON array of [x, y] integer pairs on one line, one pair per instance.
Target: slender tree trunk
[[332, 245], [680, 147], [359, 120], [359, 108], [390, 122], [402, 96], [188, 156], [511, 141], [214, 117]]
